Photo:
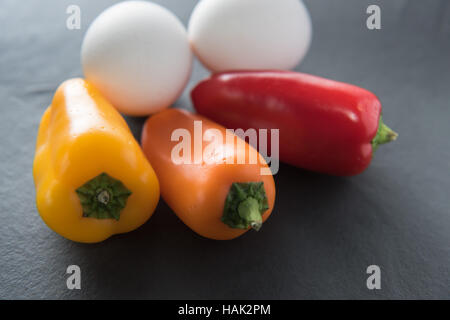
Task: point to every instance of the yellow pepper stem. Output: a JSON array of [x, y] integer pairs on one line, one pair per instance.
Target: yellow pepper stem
[[103, 197]]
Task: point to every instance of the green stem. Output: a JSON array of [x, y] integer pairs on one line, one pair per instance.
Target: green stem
[[384, 135], [249, 211], [245, 205], [103, 197]]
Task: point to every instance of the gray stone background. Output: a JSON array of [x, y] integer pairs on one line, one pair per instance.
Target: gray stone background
[[324, 231]]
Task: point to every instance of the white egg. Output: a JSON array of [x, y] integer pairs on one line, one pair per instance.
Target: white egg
[[250, 34], [138, 55]]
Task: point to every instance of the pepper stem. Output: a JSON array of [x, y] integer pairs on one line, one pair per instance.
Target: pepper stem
[[103, 197], [384, 135], [249, 211], [245, 205]]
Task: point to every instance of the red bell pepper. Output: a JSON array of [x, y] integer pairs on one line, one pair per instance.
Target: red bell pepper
[[325, 126]]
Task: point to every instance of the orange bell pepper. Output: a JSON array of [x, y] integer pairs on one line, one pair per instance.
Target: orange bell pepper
[[217, 197]]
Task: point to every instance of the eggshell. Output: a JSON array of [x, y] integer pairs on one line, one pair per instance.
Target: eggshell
[[250, 34], [138, 55]]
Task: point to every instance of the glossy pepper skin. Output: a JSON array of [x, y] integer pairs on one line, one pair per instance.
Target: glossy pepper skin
[[205, 195], [325, 125], [92, 179]]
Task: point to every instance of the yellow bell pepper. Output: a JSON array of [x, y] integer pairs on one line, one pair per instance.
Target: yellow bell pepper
[[92, 179]]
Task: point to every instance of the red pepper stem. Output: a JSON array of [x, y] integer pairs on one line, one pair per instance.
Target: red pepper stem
[[384, 135]]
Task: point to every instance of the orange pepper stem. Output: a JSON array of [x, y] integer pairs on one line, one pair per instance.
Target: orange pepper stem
[[245, 205], [103, 197], [249, 211]]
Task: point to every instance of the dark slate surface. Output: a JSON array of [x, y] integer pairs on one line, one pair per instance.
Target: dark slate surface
[[324, 231]]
